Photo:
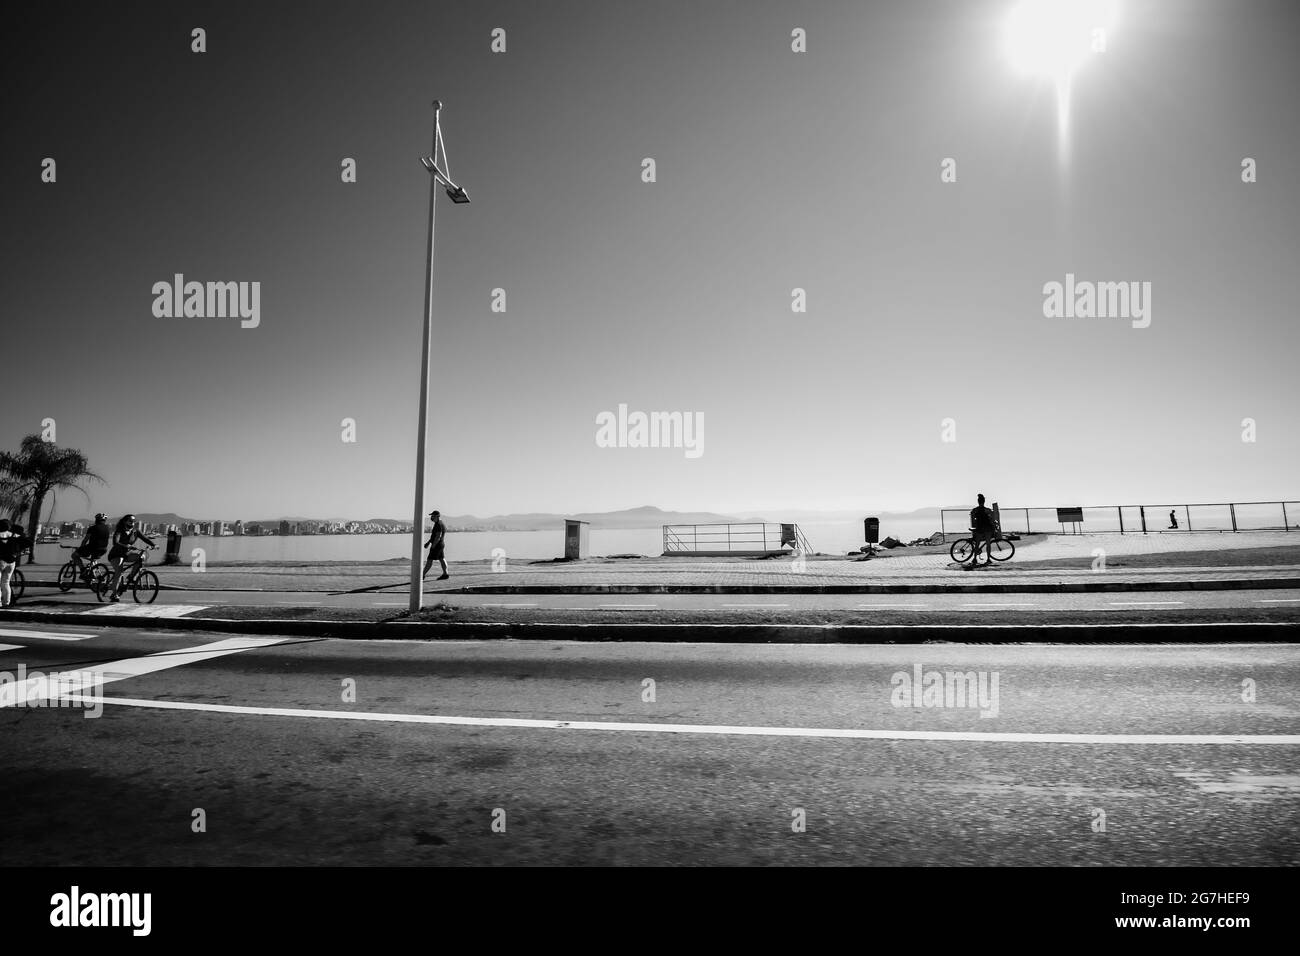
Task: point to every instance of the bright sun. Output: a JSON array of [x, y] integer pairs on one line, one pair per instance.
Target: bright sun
[[1053, 37]]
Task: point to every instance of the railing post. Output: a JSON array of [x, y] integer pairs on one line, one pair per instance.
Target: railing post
[[1142, 513], [1027, 531], [1187, 510], [1232, 509], [944, 534], [1285, 522], [1120, 509]]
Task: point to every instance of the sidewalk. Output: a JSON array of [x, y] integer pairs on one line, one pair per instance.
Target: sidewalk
[[909, 573]]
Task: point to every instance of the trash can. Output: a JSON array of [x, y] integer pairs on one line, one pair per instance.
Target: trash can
[[871, 527], [576, 540], [173, 555]]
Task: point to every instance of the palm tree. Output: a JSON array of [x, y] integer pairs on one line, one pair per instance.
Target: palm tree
[[38, 468]]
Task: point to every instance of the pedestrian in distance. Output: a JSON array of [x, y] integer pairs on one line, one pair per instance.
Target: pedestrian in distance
[[982, 530], [1173, 521], [436, 546]]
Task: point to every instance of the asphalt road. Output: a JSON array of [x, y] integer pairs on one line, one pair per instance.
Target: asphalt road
[[285, 761]]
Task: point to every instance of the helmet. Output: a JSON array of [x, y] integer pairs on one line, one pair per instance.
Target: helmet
[[100, 517], [128, 517]]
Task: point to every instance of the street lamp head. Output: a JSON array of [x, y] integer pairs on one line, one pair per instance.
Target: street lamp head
[[437, 105], [458, 194]]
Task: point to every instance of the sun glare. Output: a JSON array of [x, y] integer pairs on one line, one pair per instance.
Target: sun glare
[[1054, 37]]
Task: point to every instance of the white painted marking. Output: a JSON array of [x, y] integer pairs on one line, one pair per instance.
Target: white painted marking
[[70, 681], [1122, 603], [709, 729], [11, 647], [755, 605], [45, 635], [123, 609], [1279, 601], [1000, 604]]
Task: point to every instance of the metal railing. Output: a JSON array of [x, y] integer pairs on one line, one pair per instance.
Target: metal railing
[[1227, 516], [741, 538]]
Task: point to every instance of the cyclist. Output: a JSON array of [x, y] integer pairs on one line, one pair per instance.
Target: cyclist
[[124, 535], [93, 545], [982, 530]]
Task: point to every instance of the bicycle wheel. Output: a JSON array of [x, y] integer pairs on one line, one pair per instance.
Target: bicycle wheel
[[145, 587], [961, 550], [17, 585], [1001, 549], [67, 577], [100, 584], [99, 575]]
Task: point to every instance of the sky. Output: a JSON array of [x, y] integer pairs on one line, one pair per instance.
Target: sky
[[923, 369]]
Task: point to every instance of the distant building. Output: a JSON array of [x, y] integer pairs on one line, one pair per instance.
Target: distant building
[[218, 528], [285, 527], [253, 528], [239, 527]]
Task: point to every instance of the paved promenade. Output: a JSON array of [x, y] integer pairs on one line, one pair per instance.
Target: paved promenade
[[1041, 563]]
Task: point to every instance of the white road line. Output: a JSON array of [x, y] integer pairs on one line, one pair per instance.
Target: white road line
[[11, 647], [45, 635], [520, 723], [755, 605], [65, 683], [1000, 604], [1269, 601], [1123, 603]]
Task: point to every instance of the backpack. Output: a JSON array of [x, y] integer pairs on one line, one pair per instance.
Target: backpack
[[11, 546]]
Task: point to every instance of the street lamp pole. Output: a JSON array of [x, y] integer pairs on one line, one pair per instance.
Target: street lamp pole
[[438, 176]]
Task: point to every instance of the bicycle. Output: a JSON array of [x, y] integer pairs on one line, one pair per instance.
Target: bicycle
[[91, 572], [17, 585], [142, 582], [999, 549]]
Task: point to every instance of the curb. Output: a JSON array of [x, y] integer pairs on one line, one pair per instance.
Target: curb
[[1064, 587], [705, 633]]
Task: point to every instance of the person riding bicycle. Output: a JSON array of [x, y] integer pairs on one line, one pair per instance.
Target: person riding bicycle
[[124, 535], [982, 530], [94, 544]]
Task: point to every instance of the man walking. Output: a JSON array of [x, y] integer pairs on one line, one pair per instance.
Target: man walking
[[982, 530], [435, 546]]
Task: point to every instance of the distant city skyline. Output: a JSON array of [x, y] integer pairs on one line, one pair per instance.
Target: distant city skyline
[[931, 362]]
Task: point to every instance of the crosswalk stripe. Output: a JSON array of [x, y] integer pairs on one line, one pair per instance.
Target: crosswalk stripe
[[147, 610], [45, 635], [64, 683]]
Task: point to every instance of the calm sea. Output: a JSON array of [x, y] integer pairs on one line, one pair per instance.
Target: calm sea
[[830, 537]]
